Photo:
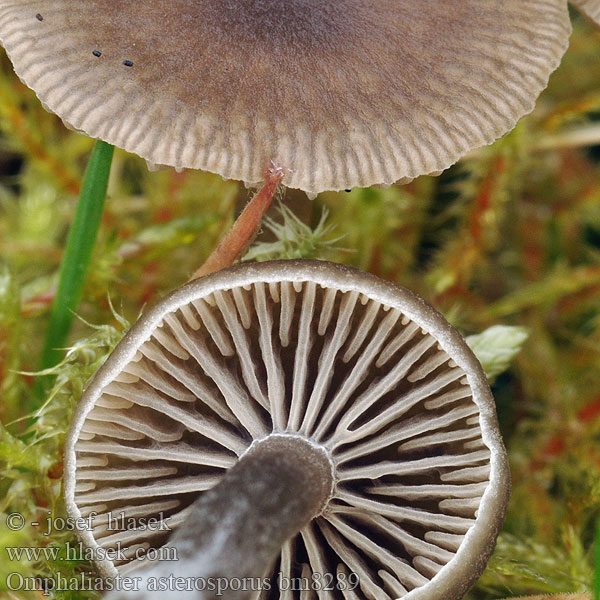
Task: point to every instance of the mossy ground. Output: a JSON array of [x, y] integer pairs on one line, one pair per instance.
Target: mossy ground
[[509, 236]]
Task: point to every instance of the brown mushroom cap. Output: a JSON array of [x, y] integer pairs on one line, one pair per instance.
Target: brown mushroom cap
[[345, 93], [314, 352], [590, 8]]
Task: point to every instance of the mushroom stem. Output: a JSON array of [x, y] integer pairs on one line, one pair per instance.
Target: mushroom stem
[[245, 227], [234, 531]]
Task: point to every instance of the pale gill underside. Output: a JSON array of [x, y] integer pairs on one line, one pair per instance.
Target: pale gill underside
[[343, 94], [357, 376]]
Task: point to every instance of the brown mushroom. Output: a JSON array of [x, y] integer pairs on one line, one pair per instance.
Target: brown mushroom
[[343, 94], [293, 417]]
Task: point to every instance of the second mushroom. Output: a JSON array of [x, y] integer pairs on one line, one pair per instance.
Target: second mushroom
[[297, 429]]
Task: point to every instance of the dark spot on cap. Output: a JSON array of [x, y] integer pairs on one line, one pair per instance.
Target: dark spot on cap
[[39, 17], [128, 63], [97, 53]]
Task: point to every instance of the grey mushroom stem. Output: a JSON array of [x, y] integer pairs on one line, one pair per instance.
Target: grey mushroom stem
[[234, 531]]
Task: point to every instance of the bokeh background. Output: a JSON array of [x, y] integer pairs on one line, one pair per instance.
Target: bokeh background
[[509, 236]]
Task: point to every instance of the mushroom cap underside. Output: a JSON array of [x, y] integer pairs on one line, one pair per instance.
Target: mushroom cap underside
[[357, 365], [341, 94]]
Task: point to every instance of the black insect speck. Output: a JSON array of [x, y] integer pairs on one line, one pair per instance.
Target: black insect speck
[[39, 17], [97, 53], [128, 63]]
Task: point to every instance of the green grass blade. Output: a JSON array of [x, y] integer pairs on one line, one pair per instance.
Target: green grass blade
[[77, 255]]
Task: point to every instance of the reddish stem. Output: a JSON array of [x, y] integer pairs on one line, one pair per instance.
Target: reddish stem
[[245, 227]]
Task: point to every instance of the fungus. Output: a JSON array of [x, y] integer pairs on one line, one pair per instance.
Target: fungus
[[298, 418], [343, 94]]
